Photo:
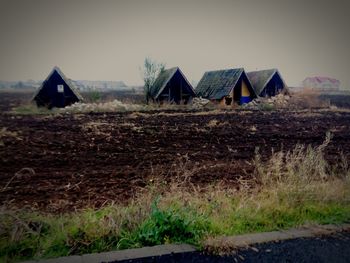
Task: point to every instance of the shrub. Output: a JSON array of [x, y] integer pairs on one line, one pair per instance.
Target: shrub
[[171, 226]]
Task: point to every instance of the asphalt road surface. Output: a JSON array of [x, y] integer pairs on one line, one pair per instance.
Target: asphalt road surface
[[332, 248]]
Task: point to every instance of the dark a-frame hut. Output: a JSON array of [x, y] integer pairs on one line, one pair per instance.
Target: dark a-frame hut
[[267, 83], [56, 91], [171, 86], [227, 87]]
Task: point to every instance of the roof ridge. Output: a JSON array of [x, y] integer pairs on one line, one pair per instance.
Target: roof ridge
[[269, 69], [217, 70]]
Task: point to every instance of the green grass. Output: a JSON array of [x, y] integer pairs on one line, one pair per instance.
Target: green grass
[[266, 107], [291, 189], [30, 235]]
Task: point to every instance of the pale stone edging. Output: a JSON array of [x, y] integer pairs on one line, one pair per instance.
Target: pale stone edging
[[217, 244], [241, 241], [126, 254]]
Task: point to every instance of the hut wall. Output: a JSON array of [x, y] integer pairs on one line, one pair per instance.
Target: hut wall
[[246, 96], [177, 90], [245, 90], [273, 87]]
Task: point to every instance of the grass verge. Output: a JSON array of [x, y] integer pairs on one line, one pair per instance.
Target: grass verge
[[290, 189]]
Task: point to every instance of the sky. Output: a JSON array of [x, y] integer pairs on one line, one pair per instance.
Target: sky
[[109, 40]]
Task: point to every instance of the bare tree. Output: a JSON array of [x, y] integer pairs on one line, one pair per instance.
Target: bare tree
[[151, 70]]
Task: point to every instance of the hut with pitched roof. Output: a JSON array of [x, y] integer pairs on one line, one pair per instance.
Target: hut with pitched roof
[[57, 91], [267, 83], [228, 87], [171, 86]]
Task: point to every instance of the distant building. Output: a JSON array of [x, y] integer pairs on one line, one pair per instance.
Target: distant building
[[227, 87], [21, 85], [101, 85], [172, 86], [267, 83], [56, 91], [322, 83]]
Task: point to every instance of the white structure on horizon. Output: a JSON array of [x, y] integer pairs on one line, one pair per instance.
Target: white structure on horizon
[[322, 83]]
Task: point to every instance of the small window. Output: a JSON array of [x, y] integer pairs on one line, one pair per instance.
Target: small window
[[60, 88]]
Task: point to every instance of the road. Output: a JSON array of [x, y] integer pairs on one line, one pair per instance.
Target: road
[[332, 248]]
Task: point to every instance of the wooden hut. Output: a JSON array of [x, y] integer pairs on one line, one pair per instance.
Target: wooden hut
[[267, 83], [228, 87], [56, 91], [171, 86]]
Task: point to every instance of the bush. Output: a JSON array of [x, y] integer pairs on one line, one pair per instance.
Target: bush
[[171, 226]]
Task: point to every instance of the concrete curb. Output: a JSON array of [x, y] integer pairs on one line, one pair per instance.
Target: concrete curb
[[241, 241], [218, 244], [127, 254]]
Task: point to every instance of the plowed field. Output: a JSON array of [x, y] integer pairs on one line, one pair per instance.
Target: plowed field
[[72, 161]]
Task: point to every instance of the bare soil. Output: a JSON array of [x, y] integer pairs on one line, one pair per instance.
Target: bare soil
[[67, 162], [11, 99]]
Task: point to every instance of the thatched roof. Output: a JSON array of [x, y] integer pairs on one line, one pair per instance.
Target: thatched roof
[[162, 80], [218, 84], [65, 79], [259, 79]]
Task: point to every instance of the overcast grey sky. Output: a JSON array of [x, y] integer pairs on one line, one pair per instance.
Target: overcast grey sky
[[108, 40]]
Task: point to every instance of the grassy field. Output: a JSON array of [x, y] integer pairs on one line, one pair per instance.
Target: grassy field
[[290, 189]]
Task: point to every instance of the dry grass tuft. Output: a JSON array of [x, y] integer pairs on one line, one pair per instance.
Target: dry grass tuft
[[216, 123], [8, 135], [307, 98]]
